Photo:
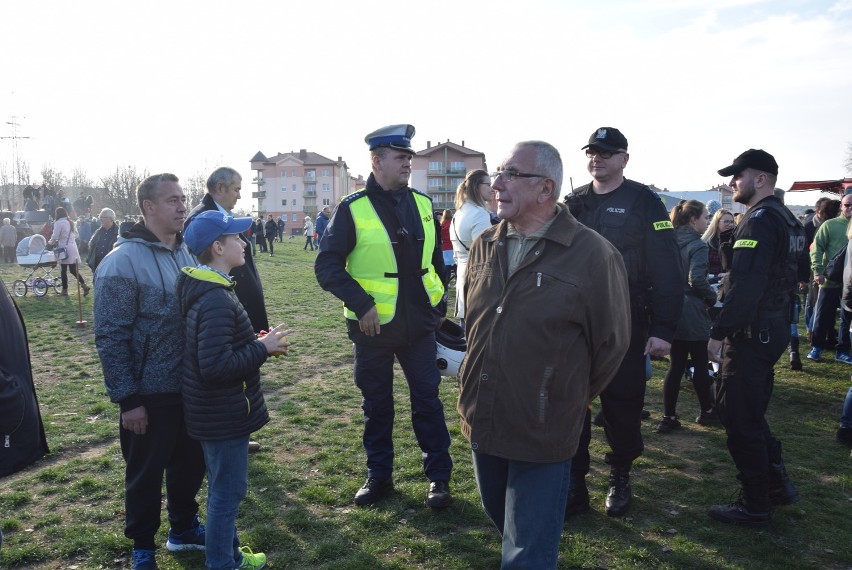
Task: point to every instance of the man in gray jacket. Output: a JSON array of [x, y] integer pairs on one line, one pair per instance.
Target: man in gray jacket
[[140, 340]]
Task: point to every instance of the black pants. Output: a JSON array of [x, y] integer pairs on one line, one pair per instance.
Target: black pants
[[271, 240], [743, 391], [74, 272], [261, 241], [167, 449], [309, 241], [681, 351], [9, 254], [621, 404]]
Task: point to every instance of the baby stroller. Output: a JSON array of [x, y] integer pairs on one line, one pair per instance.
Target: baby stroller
[[32, 254]]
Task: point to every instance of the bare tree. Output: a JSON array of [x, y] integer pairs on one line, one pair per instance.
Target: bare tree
[[52, 177], [848, 163], [79, 179], [6, 188], [194, 187], [120, 189]]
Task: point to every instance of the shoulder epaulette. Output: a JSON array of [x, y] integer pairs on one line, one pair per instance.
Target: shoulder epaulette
[[421, 193], [352, 197]]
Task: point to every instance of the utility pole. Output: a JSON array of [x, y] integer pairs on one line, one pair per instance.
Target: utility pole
[[16, 160]]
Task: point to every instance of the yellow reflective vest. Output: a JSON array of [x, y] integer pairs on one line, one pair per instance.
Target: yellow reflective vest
[[373, 265]]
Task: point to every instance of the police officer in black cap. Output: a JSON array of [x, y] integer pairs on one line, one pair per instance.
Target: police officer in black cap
[[635, 221], [751, 332], [381, 256]]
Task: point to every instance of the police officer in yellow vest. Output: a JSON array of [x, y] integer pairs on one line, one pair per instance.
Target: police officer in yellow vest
[[381, 256]]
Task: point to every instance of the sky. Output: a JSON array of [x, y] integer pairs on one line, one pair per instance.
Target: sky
[[184, 86]]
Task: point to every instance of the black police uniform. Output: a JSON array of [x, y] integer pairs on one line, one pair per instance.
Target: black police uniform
[[409, 336], [635, 221], [248, 287], [754, 325]]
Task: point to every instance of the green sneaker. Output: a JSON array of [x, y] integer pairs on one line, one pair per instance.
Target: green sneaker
[[251, 561]]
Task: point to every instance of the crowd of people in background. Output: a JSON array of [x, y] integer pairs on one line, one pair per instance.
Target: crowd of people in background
[[713, 292]]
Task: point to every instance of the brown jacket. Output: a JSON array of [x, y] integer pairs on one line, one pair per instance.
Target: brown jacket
[[543, 342]]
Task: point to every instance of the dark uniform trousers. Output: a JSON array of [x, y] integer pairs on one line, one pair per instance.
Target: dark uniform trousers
[[165, 447], [621, 403], [374, 377], [745, 385]]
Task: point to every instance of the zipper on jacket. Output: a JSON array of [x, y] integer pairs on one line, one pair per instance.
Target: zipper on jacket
[[543, 395], [538, 279], [248, 402]]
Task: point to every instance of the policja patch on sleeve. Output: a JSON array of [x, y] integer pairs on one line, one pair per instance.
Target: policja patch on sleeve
[[745, 243]]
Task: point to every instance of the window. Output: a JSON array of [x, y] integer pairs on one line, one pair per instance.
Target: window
[[326, 202], [293, 172], [325, 187], [456, 167], [325, 172], [283, 188], [293, 202], [436, 167], [284, 202], [434, 182], [283, 174], [294, 187]]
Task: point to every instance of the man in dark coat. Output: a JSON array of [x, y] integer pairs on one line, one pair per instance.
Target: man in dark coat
[[223, 191], [21, 428]]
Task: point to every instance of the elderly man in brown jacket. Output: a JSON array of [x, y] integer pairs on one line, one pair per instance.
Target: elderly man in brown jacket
[[548, 323]]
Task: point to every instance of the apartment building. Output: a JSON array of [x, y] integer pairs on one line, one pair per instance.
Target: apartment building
[[438, 170], [298, 184]]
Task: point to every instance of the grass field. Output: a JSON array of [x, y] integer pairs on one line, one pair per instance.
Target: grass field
[[67, 510]]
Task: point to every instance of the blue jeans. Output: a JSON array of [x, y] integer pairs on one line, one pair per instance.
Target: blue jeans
[[526, 502], [846, 418], [227, 483], [374, 377]]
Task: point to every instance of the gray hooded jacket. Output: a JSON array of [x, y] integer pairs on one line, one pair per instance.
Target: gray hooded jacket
[[139, 332]]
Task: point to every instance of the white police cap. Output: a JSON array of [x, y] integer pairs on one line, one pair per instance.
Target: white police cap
[[393, 136]]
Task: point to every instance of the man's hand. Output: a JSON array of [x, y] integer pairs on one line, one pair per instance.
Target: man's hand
[[714, 350], [657, 347], [135, 420], [369, 323]]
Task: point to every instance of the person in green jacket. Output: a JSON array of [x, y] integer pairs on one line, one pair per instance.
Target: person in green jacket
[[829, 239]]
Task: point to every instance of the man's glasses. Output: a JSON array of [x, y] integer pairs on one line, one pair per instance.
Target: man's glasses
[[604, 154], [509, 175]]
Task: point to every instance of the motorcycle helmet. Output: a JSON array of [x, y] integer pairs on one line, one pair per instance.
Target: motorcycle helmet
[[451, 347]]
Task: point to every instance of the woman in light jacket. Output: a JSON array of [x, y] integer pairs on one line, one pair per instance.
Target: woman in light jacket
[[65, 235], [470, 220]]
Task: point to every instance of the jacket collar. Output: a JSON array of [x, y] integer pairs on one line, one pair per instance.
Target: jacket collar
[[561, 231]]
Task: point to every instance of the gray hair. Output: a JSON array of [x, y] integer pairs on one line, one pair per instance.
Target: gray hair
[[7, 221], [148, 189], [108, 213], [222, 175], [547, 162]]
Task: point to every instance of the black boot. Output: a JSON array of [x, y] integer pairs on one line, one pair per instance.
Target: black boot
[[619, 495], [578, 497], [781, 489], [739, 513], [795, 361]]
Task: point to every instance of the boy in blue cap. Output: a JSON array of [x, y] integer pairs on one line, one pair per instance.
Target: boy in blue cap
[[222, 399]]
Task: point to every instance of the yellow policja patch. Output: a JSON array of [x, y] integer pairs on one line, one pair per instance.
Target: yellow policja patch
[[664, 225], [749, 243]]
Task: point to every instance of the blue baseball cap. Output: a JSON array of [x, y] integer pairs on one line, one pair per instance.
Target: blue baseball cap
[[393, 136], [208, 226]]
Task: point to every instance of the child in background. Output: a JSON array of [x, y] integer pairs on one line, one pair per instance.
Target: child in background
[[222, 399]]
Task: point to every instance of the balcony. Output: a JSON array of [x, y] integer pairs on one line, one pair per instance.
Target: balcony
[[258, 195], [310, 194], [309, 177]]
